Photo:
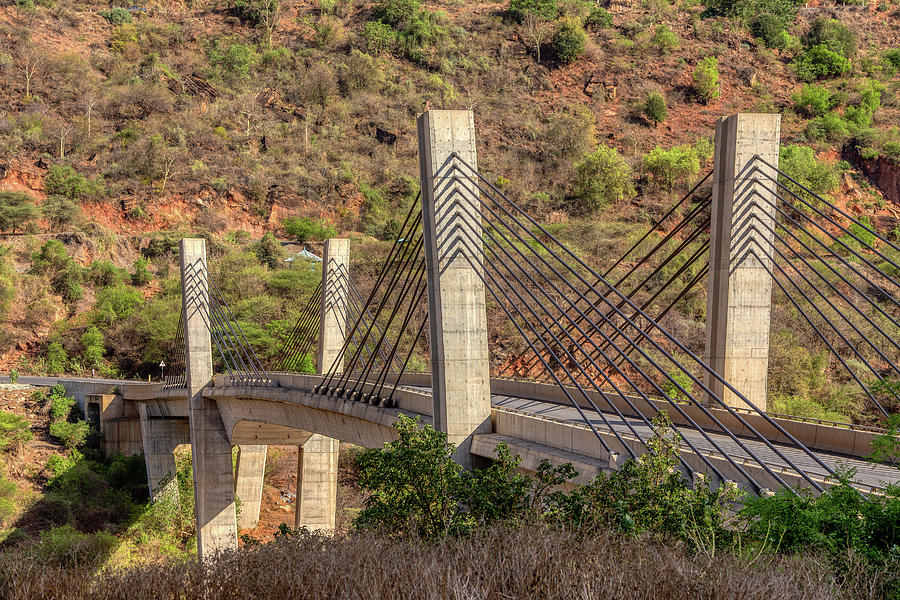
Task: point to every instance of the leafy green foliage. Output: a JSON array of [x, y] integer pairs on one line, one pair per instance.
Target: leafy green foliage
[[16, 210], [73, 435], [672, 165], [818, 62], [832, 34], [598, 18], [64, 273], [14, 432], [396, 13], [769, 29], [7, 282], [60, 405], [706, 79], [65, 181], [783, 10], [60, 211], [886, 447], [116, 303], [568, 41], [252, 11], [800, 163], [664, 40], [268, 251], [305, 229], [116, 15], [66, 546], [104, 273], [93, 347], [141, 275], [812, 100], [542, 9], [56, 358], [602, 177], [379, 37], [233, 60], [655, 108]]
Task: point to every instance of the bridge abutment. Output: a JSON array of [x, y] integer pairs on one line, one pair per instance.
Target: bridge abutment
[[456, 296], [211, 450], [740, 258], [160, 438]]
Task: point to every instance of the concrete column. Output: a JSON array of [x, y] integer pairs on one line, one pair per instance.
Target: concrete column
[[160, 438], [333, 316], [740, 287], [211, 450], [248, 483], [460, 370], [317, 471]]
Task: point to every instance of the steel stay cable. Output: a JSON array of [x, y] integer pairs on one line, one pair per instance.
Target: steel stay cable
[[295, 331], [653, 342], [228, 332], [837, 256], [400, 268], [390, 400], [384, 268], [421, 286], [402, 295], [286, 353], [832, 325], [306, 331], [621, 373], [827, 203], [843, 296], [356, 297], [202, 308], [348, 313], [252, 357], [835, 223], [217, 318]]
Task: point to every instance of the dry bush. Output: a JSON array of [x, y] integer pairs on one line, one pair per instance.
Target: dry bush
[[496, 563]]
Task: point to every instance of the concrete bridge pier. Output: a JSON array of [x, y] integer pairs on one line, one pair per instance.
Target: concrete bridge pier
[[211, 450], [160, 437], [456, 296], [317, 459], [249, 473], [739, 285]]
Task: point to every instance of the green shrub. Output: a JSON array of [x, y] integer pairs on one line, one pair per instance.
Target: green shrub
[[812, 100], [893, 57], [669, 166], [598, 18], [59, 211], [60, 406], [73, 435], [568, 41], [768, 28], [546, 10], [116, 303], [819, 62], [602, 177], [65, 546], [14, 432], [104, 273], [655, 108], [56, 358], [235, 60], [116, 15], [832, 34], [269, 251], [305, 229], [253, 11], [783, 10], [93, 348], [378, 36], [664, 40], [65, 181], [706, 79], [141, 275], [396, 13], [13, 376], [16, 210], [800, 163]]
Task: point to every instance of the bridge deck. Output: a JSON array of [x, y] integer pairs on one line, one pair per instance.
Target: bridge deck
[[866, 472]]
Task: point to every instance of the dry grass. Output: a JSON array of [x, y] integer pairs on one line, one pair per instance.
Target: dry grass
[[499, 563]]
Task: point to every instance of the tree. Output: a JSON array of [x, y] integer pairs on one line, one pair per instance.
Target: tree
[[30, 62], [16, 209], [568, 41], [602, 177], [706, 79], [59, 211], [668, 166], [545, 10], [536, 31], [655, 108], [92, 346]]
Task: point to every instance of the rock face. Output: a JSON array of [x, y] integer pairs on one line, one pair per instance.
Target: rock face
[[882, 171]]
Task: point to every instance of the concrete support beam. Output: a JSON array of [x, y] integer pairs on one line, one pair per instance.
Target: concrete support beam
[[333, 317], [160, 439], [211, 451], [740, 287], [317, 470], [248, 483], [456, 303]]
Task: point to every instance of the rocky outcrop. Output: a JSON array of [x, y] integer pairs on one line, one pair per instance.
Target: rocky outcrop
[[883, 172]]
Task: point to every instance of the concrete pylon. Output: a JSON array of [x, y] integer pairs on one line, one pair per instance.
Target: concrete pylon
[[317, 471], [317, 459], [460, 370], [211, 450], [249, 474], [333, 315], [160, 438], [740, 287]]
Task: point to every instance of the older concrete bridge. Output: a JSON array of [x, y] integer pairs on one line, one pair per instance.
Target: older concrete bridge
[[610, 365]]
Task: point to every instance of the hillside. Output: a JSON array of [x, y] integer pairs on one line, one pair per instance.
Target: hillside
[[126, 126]]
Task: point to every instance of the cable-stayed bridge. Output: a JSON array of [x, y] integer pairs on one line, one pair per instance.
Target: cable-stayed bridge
[[595, 355]]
